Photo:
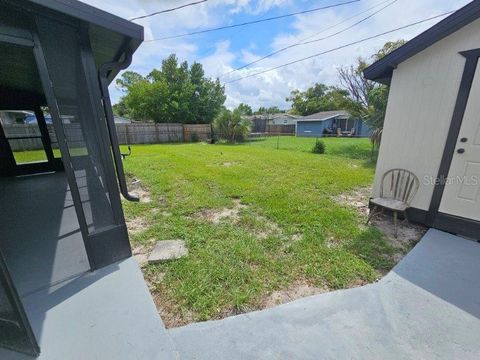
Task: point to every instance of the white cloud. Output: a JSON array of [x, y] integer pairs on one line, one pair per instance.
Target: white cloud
[[255, 7], [270, 88], [248, 56], [219, 62]]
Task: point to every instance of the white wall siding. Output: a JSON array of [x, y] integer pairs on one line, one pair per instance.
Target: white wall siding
[[420, 106]]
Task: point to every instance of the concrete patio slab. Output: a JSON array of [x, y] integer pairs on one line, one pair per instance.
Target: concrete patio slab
[[106, 314], [37, 259], [427, 307]]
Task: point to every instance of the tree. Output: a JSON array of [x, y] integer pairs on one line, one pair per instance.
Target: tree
[[245, 109], [121, 109], [128, 79], [175, 93], [369, 99], [319, 97], [270, 110], [231, 126]]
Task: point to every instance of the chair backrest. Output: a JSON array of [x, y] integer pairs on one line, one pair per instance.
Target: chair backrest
[[399, 184]]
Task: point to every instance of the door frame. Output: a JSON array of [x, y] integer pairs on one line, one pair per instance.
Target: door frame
[[433, 217]]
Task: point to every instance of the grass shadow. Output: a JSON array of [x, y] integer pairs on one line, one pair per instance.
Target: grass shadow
[[352, 151], [372, 247]]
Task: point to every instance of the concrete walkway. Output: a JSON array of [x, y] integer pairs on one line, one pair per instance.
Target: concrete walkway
[[107, 314], [427, 307]]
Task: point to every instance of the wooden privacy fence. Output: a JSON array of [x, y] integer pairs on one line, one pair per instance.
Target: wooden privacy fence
[[281, 129], [17, 134], [143, 133], [147, 133], [201, 131]]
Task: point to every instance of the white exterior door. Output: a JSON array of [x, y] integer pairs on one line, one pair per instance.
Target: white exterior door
[[461, 196]]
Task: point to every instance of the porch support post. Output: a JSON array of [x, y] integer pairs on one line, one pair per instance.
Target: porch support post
[[62, 143], [7, 160], [47, 145]]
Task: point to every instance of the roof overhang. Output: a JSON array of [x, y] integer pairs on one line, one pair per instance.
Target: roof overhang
[[382, 70], [90, 14], [111, 36], [112, 40], [336, 116]]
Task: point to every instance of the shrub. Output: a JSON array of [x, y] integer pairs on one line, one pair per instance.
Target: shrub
[[230, 126], [319, 147], [194, 137]]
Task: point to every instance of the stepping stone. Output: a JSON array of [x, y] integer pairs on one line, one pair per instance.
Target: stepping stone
[[168, 250]]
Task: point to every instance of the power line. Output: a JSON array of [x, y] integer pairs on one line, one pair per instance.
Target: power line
[[253, 22], [340, 47], [343, 21], [303, 42], [168, 10]]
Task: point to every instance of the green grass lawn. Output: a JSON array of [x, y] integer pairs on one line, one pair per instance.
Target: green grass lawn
[[288, 229], [347, 147], [33, 156], [285, 228]]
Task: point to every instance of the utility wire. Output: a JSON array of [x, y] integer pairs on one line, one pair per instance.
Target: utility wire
[[253, 22], [304, 42], [340, 47], [343, 21], [168, 10]]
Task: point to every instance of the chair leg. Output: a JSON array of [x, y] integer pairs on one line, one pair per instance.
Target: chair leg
[[372, 213], [395, 223]]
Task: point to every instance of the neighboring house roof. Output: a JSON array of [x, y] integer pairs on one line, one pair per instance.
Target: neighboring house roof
[[282, 115], [325, 115], [271, 116], [381, 71]]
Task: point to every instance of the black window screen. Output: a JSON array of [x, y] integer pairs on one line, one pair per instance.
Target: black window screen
[[15, 332], [83, 127]]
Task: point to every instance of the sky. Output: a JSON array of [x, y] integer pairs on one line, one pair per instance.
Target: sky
[[220, 52]]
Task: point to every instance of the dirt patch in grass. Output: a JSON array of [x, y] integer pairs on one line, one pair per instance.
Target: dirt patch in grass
[[357, 198], [141, 251], [139, 190], [408, 233], [215, 216], [332, 242], [137, 225], [268, 228], [229, 164], [294, 291], [169, 313]]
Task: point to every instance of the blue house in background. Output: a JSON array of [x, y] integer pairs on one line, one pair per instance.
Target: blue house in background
[[331, 123]]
